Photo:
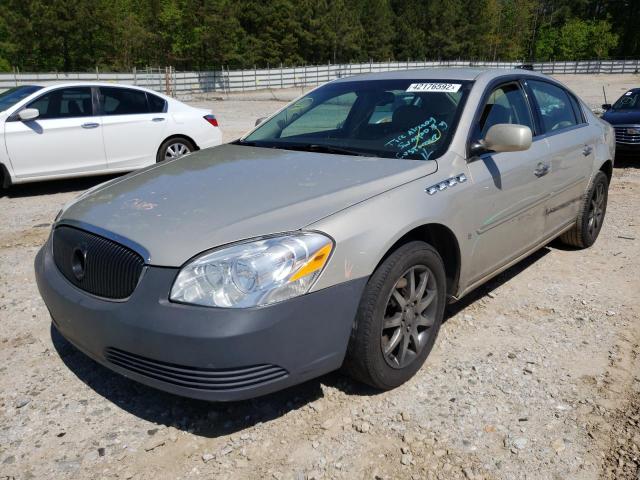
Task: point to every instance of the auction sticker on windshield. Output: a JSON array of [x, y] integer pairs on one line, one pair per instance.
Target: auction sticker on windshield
[[434, 87]]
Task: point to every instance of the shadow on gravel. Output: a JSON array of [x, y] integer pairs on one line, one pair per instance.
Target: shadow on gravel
[[494, 283], [199, 417], [51, 187]]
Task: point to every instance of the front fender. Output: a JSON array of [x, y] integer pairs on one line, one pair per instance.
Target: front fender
[[365, 232]]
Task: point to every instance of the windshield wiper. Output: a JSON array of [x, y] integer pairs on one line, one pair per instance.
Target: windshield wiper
[[314, 147]]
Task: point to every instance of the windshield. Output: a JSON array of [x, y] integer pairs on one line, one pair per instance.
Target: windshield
[[629, 101], [405, 119], [10, 97]]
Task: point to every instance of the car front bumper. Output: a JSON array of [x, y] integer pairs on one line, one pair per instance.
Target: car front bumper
[[213, 354]]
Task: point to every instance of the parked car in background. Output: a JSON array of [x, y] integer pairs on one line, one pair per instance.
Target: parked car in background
[[331, 235], [78, 129], [624, 115]]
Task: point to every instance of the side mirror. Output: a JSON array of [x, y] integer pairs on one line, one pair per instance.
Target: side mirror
[[606, 106], [28, 114], [507, 137], [260, 120]]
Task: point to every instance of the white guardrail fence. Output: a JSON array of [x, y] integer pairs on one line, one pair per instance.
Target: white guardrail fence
[[194, 83]]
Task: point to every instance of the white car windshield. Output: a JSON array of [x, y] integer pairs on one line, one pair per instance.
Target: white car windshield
[[10, 97], [404, 119]]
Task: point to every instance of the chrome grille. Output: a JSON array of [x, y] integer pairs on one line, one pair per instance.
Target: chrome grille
[[95, 264], [624, 136]]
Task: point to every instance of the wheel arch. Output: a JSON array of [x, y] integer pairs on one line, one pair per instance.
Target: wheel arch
[[607, 169], [441, 238], [5, 176], [177, 135]]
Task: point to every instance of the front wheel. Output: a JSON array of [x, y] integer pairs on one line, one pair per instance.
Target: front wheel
[[593, 207], [174, 148], [398, 318]]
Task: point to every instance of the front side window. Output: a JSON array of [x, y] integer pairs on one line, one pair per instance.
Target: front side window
[[122, 101], [404, 119], [64, 103], [554, 105], [10, 97], [506, 104], [628, 101]]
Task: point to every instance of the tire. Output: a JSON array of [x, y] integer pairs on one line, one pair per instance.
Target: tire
[[374, 329], [177, 145], [593, 207]]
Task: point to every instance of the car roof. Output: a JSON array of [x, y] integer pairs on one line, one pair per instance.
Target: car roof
[[462, 74], [81, 83]]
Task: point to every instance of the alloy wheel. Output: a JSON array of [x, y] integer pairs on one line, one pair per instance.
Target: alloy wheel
[[596, 210], [176, 150], [409, 315]]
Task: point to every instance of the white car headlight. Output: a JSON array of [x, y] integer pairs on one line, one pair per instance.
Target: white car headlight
[[254, 273]]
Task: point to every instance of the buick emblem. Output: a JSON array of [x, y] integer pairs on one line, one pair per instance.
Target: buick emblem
[[633, 131], [79, 262]]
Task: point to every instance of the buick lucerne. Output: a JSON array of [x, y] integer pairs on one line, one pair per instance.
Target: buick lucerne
[[332, 235]]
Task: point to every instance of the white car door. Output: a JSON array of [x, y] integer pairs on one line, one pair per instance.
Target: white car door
[[65, 139], [133, 127]]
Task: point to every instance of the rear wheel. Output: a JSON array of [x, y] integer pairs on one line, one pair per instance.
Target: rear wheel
[[398, 318], [174, 148], [593, 207]]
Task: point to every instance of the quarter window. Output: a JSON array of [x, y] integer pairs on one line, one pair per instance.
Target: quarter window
[[156, 104], [64, 103], [554, 104], [123, 101], [506, 104]]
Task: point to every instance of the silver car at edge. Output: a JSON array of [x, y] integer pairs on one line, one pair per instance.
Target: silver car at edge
[[330, 236]]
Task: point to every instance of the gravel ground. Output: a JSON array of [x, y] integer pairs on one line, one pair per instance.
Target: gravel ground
[[535, 375]]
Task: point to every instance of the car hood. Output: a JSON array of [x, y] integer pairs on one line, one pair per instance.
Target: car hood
[[622, 117], [175, 210]]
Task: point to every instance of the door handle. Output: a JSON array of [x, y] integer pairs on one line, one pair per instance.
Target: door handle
[[541, 170], [90, 125], [586, 151], [158, 119]]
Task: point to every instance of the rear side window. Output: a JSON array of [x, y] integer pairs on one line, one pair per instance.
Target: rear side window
[[577, 109], [156, 104], [64, 103], [122, 101], [506, 104], [555, 106]]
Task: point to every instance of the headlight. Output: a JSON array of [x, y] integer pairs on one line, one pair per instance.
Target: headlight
[[254, 273]]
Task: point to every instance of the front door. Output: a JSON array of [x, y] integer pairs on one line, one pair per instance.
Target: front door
[[65, 139], [509, 204]]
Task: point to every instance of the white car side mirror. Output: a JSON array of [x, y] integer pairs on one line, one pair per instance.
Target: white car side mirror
[[506, 137], [28, 114]]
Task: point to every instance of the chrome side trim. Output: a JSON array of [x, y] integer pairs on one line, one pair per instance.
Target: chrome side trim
[[512, 215]]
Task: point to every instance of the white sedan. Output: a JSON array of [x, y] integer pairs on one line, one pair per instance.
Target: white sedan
[[80, 129]]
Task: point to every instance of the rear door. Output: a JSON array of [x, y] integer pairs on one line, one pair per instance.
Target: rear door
[[133, 127], [510, 197], [65, 139], [571, 150]]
